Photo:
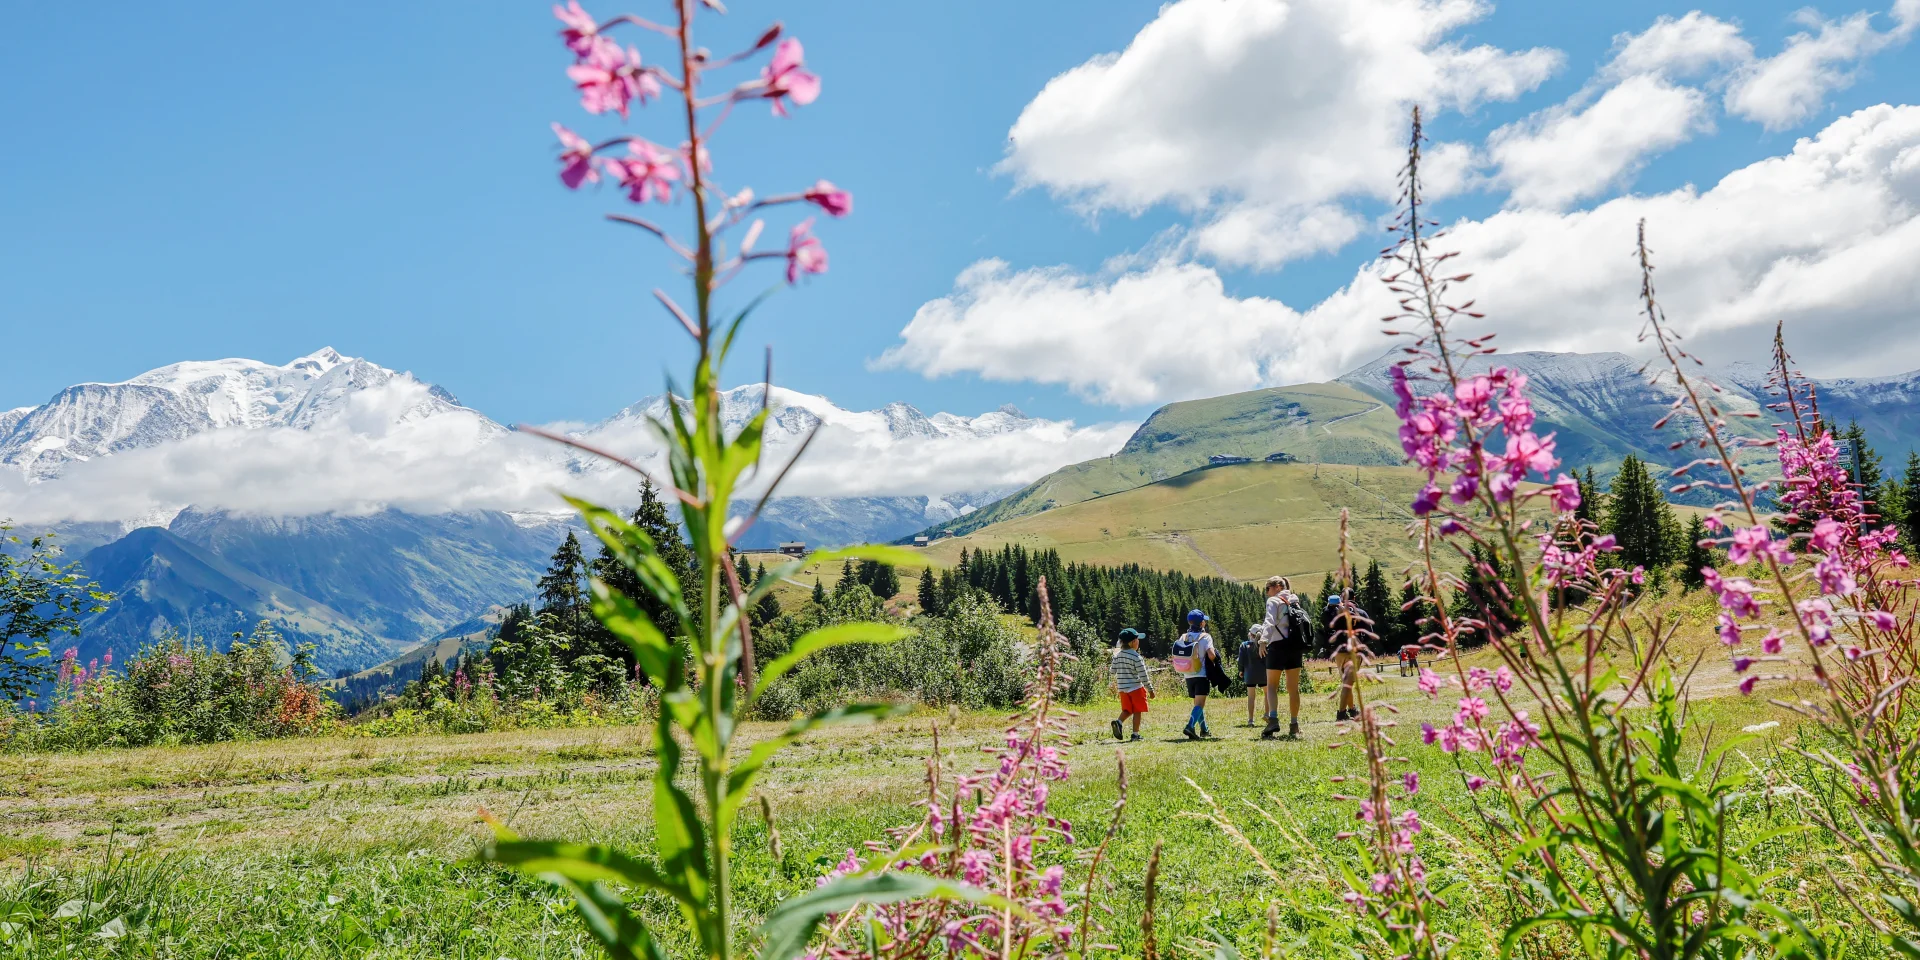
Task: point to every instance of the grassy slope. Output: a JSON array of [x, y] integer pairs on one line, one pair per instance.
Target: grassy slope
[[1317, 422], [1246, 521]]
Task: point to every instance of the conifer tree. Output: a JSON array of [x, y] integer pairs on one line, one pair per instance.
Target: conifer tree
[[1374, 598], [819, 592], [759, 572], [929, 595], [1639, 518], [561, 596], [1588, 510], [765, 611], [847, 578], [1909, 518], [1861, 461], [1696, 555], [652, 519], [1405, 618], [743, 570]]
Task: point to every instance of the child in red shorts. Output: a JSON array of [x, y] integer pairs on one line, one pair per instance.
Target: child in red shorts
[[1131, 679]]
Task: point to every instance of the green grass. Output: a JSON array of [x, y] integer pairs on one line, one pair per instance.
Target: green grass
[[1315, 423], [341, 847], [1244, 521]]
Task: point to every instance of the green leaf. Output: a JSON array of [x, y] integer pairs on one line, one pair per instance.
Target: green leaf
[[608, 919], [657, 657], [792, 923], [582, 863], [838, 635]]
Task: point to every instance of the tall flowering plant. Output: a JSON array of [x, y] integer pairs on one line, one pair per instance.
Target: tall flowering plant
[[1612, 832], [701, 659], [1830, 596], [979, 855]]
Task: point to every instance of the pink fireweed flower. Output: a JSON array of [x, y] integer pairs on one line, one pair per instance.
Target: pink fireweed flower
[[1431, 683], [1772, 643], [1402, 393], [1834, 577], [612, 84], [576, 159], [1881, 619], [1752, 542], [1429, 734], [1472, 395], [785, 78], [1746, 686], [1527, 453], [1503, 679], [835, 201], [1740, 664], [1471, 709], [1827, 535], [1502, 486], [1475, 782], [1464, 487], [805, 253], [1410, 782], [1426, 500], [1566, 494], [648, 173], [1736, 593], [1729, 630], [582, 33], [1477, 679]]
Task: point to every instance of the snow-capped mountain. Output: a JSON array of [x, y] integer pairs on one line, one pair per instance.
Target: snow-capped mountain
[[91, 420]]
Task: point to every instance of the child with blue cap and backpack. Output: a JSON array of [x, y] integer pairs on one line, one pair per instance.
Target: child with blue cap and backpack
[[1190, 655]]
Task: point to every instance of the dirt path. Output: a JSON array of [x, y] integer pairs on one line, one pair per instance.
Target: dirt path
[[1326, 426], [1188, 542]]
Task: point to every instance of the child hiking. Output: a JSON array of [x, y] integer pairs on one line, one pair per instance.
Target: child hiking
[[1288, 632], [1345, 623], [1253, 666], [1190, 655], [1130, 679]]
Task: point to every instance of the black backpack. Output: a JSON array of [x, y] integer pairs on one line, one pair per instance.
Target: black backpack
[[1299, 628]]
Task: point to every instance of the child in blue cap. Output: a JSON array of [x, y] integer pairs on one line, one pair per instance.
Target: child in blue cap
[[1190, 655]]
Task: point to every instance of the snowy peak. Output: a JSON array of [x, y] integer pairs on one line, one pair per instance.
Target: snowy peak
[[181, 400], [792, 415]]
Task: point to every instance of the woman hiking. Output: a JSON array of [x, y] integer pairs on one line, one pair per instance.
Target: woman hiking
[[1190, 655], [1286, 627]]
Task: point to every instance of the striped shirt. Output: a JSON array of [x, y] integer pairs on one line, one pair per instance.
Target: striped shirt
[[1130, 671]]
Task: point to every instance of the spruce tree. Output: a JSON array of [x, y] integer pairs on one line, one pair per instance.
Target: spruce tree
[[765, 611], [743, 570], [1862, 463], [929, 595], [652, 519], [759, 572], [1588, 510], [1909, 518], [1639, 518], [819, 593], [1406, 617], [1375, 599], [847, 578], [1696, 555], [561, 595]]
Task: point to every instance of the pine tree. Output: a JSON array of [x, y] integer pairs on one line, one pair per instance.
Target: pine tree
[[561, 595], [1375, 599], [652, 519], [1696, 556], [847, 578], [819, 593], [1588, 510], [759, 573], [1639, 518], [930, 594], [1909, 518], [1862, 463], [1406, 616], [765, 611], [742, 570]]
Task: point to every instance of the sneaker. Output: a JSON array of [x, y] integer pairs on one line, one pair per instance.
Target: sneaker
[[1117, 733], [1189, 732], [1273, 727], [1206, 734], [1137, 738], [1293, 729]]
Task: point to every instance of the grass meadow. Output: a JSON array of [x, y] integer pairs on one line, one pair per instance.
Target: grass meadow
[[352, 847]]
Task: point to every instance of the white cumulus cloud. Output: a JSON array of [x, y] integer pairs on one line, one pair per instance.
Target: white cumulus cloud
[[1285, 105], [1780, 91], [1566, 153], [1823, 237]]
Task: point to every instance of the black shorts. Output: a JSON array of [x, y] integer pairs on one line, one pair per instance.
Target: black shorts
[[1198, 686], [1256, 678], [1283, 656]]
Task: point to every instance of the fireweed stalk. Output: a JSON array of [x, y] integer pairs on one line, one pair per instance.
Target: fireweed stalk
[[1850, 607], [989, 831], [1609, 830], [1390, 890], [702, 660]]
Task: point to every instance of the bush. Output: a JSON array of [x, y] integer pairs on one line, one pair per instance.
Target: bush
[[179, 691]]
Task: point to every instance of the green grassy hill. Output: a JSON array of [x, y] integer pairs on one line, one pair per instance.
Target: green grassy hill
[[1244, 521], [1311, 423]]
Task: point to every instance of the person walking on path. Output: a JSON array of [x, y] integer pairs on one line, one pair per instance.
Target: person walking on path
[[1131, 680], [1190, 655], [1345, 619], [1253, 666], [1288, 632]]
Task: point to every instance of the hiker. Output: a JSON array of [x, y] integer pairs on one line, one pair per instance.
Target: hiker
[[1131, 680], [1190, 655], [1345, 620], [1253, 665], [1288, 631]]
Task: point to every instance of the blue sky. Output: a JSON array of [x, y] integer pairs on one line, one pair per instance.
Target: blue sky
[[262, 180]]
